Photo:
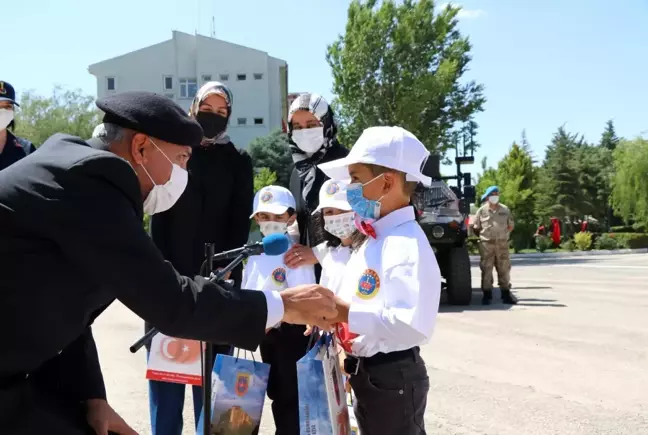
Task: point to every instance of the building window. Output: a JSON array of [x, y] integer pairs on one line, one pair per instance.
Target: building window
[[188, 88], [206, 78], [242, 121], [224, 77], [168, 83], [110, 83], [258, 76], [258, 121], [241, 77]]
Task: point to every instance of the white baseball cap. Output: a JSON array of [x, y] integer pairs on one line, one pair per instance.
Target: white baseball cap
[[273, 199], [391, 147], [333, 194]]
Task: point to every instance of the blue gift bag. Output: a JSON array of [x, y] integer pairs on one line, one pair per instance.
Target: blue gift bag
[[238, 392], [322, 399]]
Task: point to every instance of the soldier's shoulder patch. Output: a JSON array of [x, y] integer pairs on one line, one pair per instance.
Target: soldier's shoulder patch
[[368, 285]]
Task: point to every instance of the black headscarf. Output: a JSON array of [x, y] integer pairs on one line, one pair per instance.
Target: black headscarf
[[306, 165]]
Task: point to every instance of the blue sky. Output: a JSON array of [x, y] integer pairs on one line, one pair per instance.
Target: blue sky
[[543, 63]]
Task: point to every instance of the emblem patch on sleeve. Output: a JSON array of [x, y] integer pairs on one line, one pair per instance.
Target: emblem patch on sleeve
[[279, 275], [369, 285]]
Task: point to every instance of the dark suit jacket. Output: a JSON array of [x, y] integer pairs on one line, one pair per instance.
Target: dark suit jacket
[[71, 241]]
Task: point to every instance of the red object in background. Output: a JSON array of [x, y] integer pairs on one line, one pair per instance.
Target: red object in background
[[555, 231], [583, 226], [345, 336]]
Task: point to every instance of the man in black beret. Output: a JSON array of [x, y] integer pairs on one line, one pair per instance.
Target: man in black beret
[[73, 210]]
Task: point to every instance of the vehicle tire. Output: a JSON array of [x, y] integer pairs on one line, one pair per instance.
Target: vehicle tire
[[457, 275]]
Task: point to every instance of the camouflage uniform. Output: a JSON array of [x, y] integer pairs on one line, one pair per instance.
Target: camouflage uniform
[[492, 225]]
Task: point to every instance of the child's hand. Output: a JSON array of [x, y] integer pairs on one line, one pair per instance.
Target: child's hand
[[298, 256]]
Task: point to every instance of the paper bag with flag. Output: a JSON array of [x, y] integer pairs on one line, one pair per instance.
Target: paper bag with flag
[[238, 392], [174, 360], [322, 399]]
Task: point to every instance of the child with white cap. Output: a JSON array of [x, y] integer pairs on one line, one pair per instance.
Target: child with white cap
[[285, 344], [389, 296]]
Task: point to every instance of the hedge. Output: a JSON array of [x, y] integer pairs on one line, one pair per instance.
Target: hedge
[[631, 240]]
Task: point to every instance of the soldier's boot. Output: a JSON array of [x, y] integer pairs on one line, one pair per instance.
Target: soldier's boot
[[508, 297], [488, 297]]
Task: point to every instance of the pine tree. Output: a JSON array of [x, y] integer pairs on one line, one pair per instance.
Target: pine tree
[[609, 138]]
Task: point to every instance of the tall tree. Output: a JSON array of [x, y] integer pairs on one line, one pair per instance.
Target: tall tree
[[64, 111], [594, 168], [401, 63], [272, 152], [609, 138], [629, 184]]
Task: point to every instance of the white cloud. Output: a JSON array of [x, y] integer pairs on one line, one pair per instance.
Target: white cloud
[[468, 14]]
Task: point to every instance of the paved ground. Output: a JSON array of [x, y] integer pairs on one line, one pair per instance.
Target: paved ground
[[571, 358]]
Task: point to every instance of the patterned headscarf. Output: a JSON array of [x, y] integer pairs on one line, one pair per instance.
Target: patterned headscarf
[[305, 164], [206, 90]]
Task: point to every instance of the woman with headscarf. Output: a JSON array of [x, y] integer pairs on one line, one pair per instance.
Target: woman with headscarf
[[313, 140], [215, 208]]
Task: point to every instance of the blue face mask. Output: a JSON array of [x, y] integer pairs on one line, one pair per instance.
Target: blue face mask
[[363, 207]]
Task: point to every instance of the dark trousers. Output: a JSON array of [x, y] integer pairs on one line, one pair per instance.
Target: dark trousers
[[282, 348], [166, 402], [391, 396]]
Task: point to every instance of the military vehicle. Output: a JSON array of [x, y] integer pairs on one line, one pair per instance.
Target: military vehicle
[[443, 214]]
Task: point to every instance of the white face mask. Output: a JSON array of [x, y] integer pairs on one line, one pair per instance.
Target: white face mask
[[340, 225], [270, 227], [493, 199], [6, 116], [163, 196], [309, 140]]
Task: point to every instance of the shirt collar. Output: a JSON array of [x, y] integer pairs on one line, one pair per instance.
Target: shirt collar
[[393, 220]]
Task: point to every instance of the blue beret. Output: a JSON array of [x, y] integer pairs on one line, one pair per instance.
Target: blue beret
[[488, 192], [152, 114]]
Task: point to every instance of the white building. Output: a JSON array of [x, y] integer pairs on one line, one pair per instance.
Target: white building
[[179, 66]]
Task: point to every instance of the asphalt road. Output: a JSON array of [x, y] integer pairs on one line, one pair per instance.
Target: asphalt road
[[570, 358]]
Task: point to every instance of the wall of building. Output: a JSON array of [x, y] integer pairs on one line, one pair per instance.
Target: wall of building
[[253, 77]]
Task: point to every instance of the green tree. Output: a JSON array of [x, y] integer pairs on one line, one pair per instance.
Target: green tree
[[64, 111], [629, 186], [400, 63], [264, 177], [487, 178], [609, 138], [594, 168], [272, 152]]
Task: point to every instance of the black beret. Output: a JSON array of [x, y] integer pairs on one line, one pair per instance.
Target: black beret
[[152, 114]]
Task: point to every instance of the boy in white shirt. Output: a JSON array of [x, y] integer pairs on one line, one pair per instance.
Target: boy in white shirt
[[390, 293], [284, 344]]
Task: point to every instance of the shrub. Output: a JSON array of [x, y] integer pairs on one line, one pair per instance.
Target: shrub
[[583, 241], [635, 228], [606, 241], [568, 245], [631, 240], [472, 245], [543, 243]]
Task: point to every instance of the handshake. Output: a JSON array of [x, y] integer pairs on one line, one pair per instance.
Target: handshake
[[312, 304]]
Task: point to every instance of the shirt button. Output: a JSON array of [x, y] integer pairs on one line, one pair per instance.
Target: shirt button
[[400, 391]]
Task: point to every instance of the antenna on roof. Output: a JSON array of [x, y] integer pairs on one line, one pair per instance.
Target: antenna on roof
[[213, 29]]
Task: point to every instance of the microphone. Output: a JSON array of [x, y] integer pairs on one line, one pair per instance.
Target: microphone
[[274, 244]]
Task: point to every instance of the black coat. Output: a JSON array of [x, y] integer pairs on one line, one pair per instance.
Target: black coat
[[72, 241]]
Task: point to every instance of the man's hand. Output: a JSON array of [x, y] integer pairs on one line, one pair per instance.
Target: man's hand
[[102, 418], [309, 304]]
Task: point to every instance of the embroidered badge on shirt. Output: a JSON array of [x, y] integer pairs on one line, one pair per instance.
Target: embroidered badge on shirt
[[266, 196], [279, 275], [332, 189], [369, 284]]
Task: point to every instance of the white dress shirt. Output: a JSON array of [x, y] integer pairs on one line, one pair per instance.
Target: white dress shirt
[[269, 274], [393, 284], [334, 262]]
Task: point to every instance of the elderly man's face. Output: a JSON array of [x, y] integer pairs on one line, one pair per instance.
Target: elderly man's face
[[156, 160]]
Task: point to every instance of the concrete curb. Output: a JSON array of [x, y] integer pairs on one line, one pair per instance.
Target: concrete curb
[[573, 254]]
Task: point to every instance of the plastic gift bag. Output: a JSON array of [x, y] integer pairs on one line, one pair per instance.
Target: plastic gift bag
[[174, 360], [322, 400], [238, 392]]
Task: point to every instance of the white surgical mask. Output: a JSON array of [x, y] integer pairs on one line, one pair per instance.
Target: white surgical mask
[[493, 199], [270, 227], [309, 140], [6, 116], [163, 196], [340, 225]]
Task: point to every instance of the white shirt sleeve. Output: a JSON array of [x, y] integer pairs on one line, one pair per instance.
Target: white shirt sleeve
[[300, 275], [275, 308], [411, 283], [320, 251]]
